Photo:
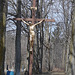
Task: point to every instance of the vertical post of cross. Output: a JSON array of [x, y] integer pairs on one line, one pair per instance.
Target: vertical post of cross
[[33, 11], [31, 54]]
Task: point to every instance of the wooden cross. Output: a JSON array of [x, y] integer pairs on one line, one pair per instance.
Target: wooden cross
[[33, 19]]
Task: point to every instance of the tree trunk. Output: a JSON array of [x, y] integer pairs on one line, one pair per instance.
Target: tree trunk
[[38, 16], [72, 44], [18, 41], [2, 35], [41, 40]]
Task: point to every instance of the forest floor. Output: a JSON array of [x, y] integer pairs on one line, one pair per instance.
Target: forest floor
[[52, 73]]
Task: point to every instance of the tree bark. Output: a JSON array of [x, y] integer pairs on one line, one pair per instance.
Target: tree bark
[[37, 27], [2, 35], [41, 40], [72, 44], [18, 41]]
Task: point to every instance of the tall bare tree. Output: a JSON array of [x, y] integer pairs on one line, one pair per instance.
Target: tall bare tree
[[72, 43], [2, 34], [18, 41]]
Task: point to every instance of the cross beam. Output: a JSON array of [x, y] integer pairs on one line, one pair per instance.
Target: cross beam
[[33, 19], [36, 19]]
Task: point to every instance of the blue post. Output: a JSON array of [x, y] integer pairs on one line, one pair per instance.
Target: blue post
[[10, 73]]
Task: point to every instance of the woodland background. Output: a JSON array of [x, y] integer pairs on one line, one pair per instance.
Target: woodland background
[[54, 46]]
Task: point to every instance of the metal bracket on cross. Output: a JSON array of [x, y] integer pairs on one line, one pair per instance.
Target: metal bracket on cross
[[33, 8]]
